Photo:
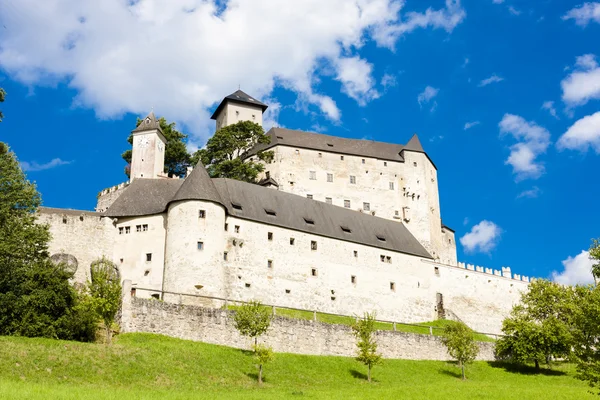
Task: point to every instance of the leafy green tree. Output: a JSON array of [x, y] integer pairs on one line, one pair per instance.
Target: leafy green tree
[[225, 153], [540, 327], [105, 291], [36, 298], [252, 319], [595, 256], [587, 336], [177, 158], [460, 341], [364, 330], [263, 355], [2, 96]]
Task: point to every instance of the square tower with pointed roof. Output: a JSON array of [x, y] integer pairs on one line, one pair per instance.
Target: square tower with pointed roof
[[148, 150], [236, 107]]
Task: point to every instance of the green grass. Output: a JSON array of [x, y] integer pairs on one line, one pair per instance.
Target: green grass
[[146, 366]]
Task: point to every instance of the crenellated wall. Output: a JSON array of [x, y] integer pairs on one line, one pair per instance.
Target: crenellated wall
[[108, 196]]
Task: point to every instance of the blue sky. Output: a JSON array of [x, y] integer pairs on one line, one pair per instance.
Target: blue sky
[[503, 94]]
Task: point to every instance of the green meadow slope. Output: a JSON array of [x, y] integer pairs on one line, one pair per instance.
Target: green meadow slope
[[145, 366]]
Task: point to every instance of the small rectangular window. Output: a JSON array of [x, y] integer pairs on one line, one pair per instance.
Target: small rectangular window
[[347, 203], [436, 270], [353, 279], [267, 174], [145, 228], [292, 241], [200, 245], [225, 256], [247, 285], [138, 228], [385, 163], [127, 229], [201, 213], [288, 291], [414, 164], [297, 151], [120, 231], [366, 207], [226, 227], [391, 185], [309, 196], [312, 175], [270, 235], [363, 160], [388, 259], [329, 177], [342, 158], [355, 253], [393, 286], [269, 263], [148, 256], [328, 200], [352, 179], [382, 258], [313, 272], [236, 229], [320, 155], [313, 245]]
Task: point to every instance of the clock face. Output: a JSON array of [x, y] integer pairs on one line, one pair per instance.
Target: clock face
[[143, 142]]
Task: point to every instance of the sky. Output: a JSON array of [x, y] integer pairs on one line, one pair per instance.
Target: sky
[[504, 95]]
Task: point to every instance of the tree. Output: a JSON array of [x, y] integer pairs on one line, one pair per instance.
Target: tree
[[225, 153], [587, 335], [595, 256], [2, 96], [364, 330], [252, 319], [105, 291], [177, 158], [539, 328], [36, 298], [263, 355], [460, 341]]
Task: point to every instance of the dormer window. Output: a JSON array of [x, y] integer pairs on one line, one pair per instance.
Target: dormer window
[[309, 221], [345, 229], [147, 120], [381, 238], [329, 144], [280, 137], [236, 206], [272, 213]]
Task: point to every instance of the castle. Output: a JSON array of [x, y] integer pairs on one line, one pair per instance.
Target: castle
[[335, 225]]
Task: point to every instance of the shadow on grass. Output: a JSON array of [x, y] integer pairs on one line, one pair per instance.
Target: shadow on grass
[[452, 373], [524, 369], [359, 375], [254, 377]]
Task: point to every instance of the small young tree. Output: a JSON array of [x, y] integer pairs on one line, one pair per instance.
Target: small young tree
[[595, 256], [105, 292], [263, 355], [364, 330], [252, 319], [460, 341]]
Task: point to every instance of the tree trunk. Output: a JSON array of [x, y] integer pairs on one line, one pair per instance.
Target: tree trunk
[[462, 366], [537, 365], [369, 374], [260, 374], [255, 343], [108, 334]]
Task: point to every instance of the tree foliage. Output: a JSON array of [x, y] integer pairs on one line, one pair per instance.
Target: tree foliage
[[105, 292], [225, 153], [263, 355], [540, 327], [36, 297], [595, 256], [177, 158], [460, 341], [2, 96], [364, 330], [252, 319], [587, 335]]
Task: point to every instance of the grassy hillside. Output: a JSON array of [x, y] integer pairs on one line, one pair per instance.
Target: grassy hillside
[[144, 366]]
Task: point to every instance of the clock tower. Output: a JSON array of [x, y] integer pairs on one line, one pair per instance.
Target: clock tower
[[148, 153]]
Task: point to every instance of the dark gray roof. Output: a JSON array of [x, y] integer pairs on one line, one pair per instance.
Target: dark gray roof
[[144, 197], [414, 144], [239, 97], [198, 186], [292, 210], [148, 123], [268, 181], [332, 144], [67, 211]]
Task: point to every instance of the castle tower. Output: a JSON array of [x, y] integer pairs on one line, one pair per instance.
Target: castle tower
[[237, 107], [148, 153]]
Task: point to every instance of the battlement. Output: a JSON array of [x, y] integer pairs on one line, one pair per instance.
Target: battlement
[[505, 272], [113, 189]]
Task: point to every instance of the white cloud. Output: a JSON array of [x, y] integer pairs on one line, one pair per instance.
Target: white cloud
[[466, 62], [549, 105], [426, 96], [492, 79], [388, 81], [183, 56], [532, 140], [530, 194], [513, 10], [34, 166], [582, 135], [576, 270], [482, 238], [584, 13], [469, 125], [583, 84], [497, 1]]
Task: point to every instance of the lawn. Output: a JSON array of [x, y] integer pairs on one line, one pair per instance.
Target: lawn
[[146, 366]]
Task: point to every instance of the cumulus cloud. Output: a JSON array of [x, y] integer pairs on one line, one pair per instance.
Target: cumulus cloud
[[482, 238], [549, 106], [532, 140], [34, 166], [183, 56], [469, 125], [530, 193], [583, 84], [582, 135], [576, 270], [584, 13], [426, 97], [388, 81], [492, 79]]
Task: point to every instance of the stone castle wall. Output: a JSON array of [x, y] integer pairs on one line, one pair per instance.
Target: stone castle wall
[[109, 195], [285, 335]]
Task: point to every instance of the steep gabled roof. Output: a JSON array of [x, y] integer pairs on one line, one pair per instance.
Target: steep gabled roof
[[144, 197], [239, 97], [149, 123], [414, 144], [198, 186]]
